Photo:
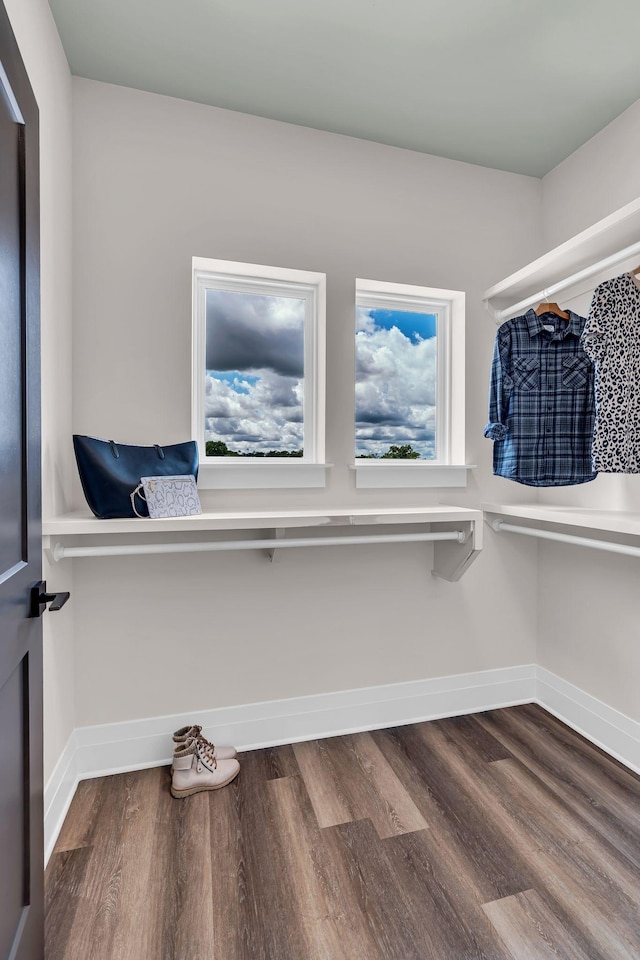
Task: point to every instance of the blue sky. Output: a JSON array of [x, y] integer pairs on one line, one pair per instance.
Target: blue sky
[[415, 326], [238, 381]]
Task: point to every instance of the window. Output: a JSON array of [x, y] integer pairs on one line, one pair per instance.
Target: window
[[258, 374], [409, 385]]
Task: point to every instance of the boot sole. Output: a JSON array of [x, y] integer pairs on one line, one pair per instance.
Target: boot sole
[[189, 792]]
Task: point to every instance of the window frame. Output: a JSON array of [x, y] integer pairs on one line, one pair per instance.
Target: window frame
[[247, 472], [448, 468]]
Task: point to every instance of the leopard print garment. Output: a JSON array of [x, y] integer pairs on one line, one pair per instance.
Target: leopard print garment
[[611, 338]]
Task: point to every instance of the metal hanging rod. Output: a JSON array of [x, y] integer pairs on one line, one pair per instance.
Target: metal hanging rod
[[500, 527], [60, 552], [554, 288]]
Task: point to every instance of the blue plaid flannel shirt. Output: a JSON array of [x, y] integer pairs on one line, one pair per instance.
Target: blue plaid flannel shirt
[[541, 401]]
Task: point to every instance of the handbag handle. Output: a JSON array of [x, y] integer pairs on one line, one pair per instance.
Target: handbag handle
[[139, 491], [116, 453]]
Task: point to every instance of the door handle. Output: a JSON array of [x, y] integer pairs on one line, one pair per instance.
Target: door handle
[[40, 598]]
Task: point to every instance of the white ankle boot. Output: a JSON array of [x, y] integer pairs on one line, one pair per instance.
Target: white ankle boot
[[195, 770]]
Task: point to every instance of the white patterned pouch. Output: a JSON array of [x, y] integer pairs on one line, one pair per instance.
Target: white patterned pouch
[[168, 496]]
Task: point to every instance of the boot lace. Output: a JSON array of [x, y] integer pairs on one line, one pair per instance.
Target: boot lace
[[205, 752]]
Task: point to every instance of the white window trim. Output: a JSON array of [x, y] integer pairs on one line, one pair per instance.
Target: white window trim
[[449, 469], [390, 474], [227, 472]]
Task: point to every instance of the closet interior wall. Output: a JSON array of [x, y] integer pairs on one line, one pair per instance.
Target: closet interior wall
[[587, 603], [157, 181], [594, 181]]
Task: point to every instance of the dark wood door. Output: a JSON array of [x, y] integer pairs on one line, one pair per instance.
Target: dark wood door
[[21, 820]]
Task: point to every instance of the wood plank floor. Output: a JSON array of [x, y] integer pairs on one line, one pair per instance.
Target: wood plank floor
[[501, 836]]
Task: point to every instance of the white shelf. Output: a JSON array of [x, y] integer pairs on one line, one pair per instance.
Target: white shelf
[[616, 237], [602, 521], [82, 523], [559, 523], [461, 526]]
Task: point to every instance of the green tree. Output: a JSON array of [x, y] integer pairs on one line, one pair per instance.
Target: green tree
[[405, 452], [284, 453], [218, 448]]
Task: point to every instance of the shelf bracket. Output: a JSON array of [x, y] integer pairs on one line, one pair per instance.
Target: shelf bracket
[[451, 558], [273, 554]]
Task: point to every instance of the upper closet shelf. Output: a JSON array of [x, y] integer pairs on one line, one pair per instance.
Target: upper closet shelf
[[456, 532], [556, 521], [608, 247]]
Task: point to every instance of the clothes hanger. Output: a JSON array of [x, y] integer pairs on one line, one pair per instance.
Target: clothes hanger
[[545, 307]]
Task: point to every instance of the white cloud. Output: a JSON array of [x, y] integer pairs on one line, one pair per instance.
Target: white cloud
[[396, 388], [268, 416]]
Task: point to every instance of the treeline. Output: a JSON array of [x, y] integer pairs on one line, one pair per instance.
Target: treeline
[[218, 448], [404, 452]]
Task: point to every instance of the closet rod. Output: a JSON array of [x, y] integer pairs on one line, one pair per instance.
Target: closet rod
[[61, 552], [549, 292], [500, 527]]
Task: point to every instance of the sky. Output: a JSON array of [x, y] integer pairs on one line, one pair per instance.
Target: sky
[[254, 371], [396, 365], [254, 382]]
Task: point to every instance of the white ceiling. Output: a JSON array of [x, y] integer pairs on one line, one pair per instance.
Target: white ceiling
[[512, 84]]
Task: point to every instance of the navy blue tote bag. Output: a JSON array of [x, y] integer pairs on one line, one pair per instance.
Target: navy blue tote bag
[[111, 471]]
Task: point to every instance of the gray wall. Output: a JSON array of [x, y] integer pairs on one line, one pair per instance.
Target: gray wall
[[158, 180], [589, 630], [595, 180]]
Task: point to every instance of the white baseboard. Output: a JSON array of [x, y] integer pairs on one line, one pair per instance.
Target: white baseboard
[[617, 734], [104, 749], [58, 794]]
